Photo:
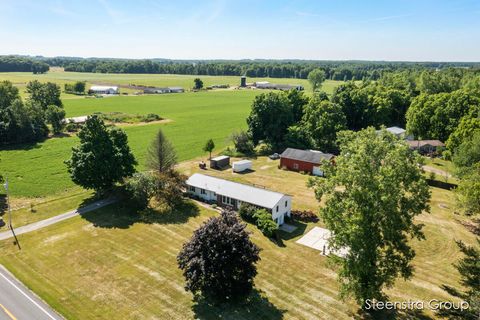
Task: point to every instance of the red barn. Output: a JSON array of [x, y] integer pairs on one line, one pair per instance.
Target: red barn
[[304, 160]]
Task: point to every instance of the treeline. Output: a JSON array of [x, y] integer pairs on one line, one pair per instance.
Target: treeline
[[443, 105], [334, 70], [27, 121], [22, 64]]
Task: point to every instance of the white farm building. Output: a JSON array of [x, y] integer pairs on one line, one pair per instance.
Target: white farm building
[[104, 90], [232, 194]]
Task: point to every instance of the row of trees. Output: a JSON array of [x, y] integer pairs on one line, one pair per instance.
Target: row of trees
[[27, 121], [22, 64], [335, 70], [294, 120]]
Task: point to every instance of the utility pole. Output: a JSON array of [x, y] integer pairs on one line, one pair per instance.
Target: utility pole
[[10, 213]]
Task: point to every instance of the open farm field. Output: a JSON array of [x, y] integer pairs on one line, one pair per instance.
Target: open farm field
[[20, 79], [38, 170]]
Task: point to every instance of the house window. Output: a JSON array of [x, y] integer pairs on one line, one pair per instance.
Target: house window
[[286, 204], [295, 166], [192, 188], [224, 199], [202, 191], [277, 208]]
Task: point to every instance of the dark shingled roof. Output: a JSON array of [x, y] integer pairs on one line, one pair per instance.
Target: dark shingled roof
[[306, 155], [421, 143]]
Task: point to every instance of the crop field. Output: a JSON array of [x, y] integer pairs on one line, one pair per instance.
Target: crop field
[[38, 169], [20, 79], [112, 263]]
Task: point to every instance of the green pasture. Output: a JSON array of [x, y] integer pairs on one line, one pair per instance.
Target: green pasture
[[38, 169]]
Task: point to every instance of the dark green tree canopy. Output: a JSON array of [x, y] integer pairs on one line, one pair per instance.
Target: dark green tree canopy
[[270, 117], [102, 158], [219, 260], [198, 84], [436, 116], [298, 100], [322, 120], [56, 117], [44, 94], [19, 122], [373, 194]]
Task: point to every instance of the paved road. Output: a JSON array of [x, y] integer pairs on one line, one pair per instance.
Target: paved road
[[19, 303], [16, 301], [47, 222]]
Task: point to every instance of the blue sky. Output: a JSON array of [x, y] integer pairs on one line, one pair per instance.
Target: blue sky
[[413, 30]]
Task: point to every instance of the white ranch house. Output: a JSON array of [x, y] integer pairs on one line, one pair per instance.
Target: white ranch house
[[232, 194]]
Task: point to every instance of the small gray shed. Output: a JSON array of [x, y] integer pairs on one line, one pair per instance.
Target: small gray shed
[[220, 162]]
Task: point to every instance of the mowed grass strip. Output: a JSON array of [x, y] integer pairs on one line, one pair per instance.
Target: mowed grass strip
[[112, 264]]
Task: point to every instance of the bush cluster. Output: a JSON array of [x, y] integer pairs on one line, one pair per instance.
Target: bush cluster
[[260, 217], [304, 215]]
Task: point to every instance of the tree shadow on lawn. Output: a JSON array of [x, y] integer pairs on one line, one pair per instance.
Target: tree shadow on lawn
[[120, 215], [23, 146], [257, 306]]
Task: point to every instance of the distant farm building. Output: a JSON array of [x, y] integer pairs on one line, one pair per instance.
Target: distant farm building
[[309, 161], [232, 194], [274, 86], [426, 146], [77, 120], [176, 89], [103, 90], [399, 132], [157, 90]]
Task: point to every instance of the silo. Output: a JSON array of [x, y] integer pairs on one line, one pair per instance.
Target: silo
[[243, 81]]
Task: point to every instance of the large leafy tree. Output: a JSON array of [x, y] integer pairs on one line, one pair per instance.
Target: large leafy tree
[[161, 155], [322, 120], [219, 260], [316, 78], [56, 117], [436, 116], [44, 94], [19, 122], [298, 100], [467, 155], [467, 167], [270, 117], [468, 126], [373, 194], [102, 158]]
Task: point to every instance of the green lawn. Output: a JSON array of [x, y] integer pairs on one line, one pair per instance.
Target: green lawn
[[113, 264]]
